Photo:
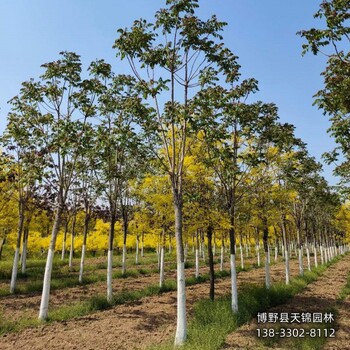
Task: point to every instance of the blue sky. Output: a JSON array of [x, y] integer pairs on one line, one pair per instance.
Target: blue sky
[[262, 33]]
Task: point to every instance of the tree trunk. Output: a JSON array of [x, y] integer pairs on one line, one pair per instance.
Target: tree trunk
[[211, 262], [2, 243], [64, 240], [142, 245], [222, 255], [197, 254], [315, 255], [181, 325], [71, 251], [161, 259], [24, 248], [44, 305], [137, 250], [125, 235], [300, 252], [18, 247], [110, 257], [234, 291], [286, 254], [83, 249], [266, 250]]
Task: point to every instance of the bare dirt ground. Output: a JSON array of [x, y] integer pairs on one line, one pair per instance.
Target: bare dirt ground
[[134, 325], [18, 306], [319, 296]]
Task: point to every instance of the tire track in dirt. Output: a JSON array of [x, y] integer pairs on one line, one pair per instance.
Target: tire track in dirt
[[319, 296], [136, 325]]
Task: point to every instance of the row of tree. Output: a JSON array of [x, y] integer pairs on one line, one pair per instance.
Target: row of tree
[[178, 146]]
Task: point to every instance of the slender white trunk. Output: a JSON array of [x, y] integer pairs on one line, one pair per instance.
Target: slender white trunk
[[308, 258], [276, 253], [234, 301], [203, 251], [45, 296], [71, 252], [321, 253], [137, 252], [158, 256], [181, 329], [24, 256], [300, 258], [63, 249], [161, 271], [44, 305], [258, 254], [197, 263], [315, 256], [214, 249], [287, 267], [242, 258], [222, 258], [142, 250], [109, 275], [82, 261], [186, 252], [124, 260], [267, 272], [14, 271]]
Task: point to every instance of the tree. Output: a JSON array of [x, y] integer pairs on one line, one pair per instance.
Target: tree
[[332, 41], [237, 143], [169, 59], [50, 116], [116, 156]]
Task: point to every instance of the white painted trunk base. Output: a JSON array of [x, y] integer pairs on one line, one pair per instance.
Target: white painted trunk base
[[222, 259], [287, 267], [300, 259], [24, 257], [258, 255], [161, 271], [124, 260], [14, 271], [242, 258], [82, 261], [197, 263], [315, 256], [44, 305], [109, 276], [71, 253], [234, 300], [308, 258], [181, 325], [276, 253], [267, 272], [63, 250], [137, 252]]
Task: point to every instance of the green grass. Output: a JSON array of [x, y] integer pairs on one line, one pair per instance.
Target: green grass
[[345, 290]]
